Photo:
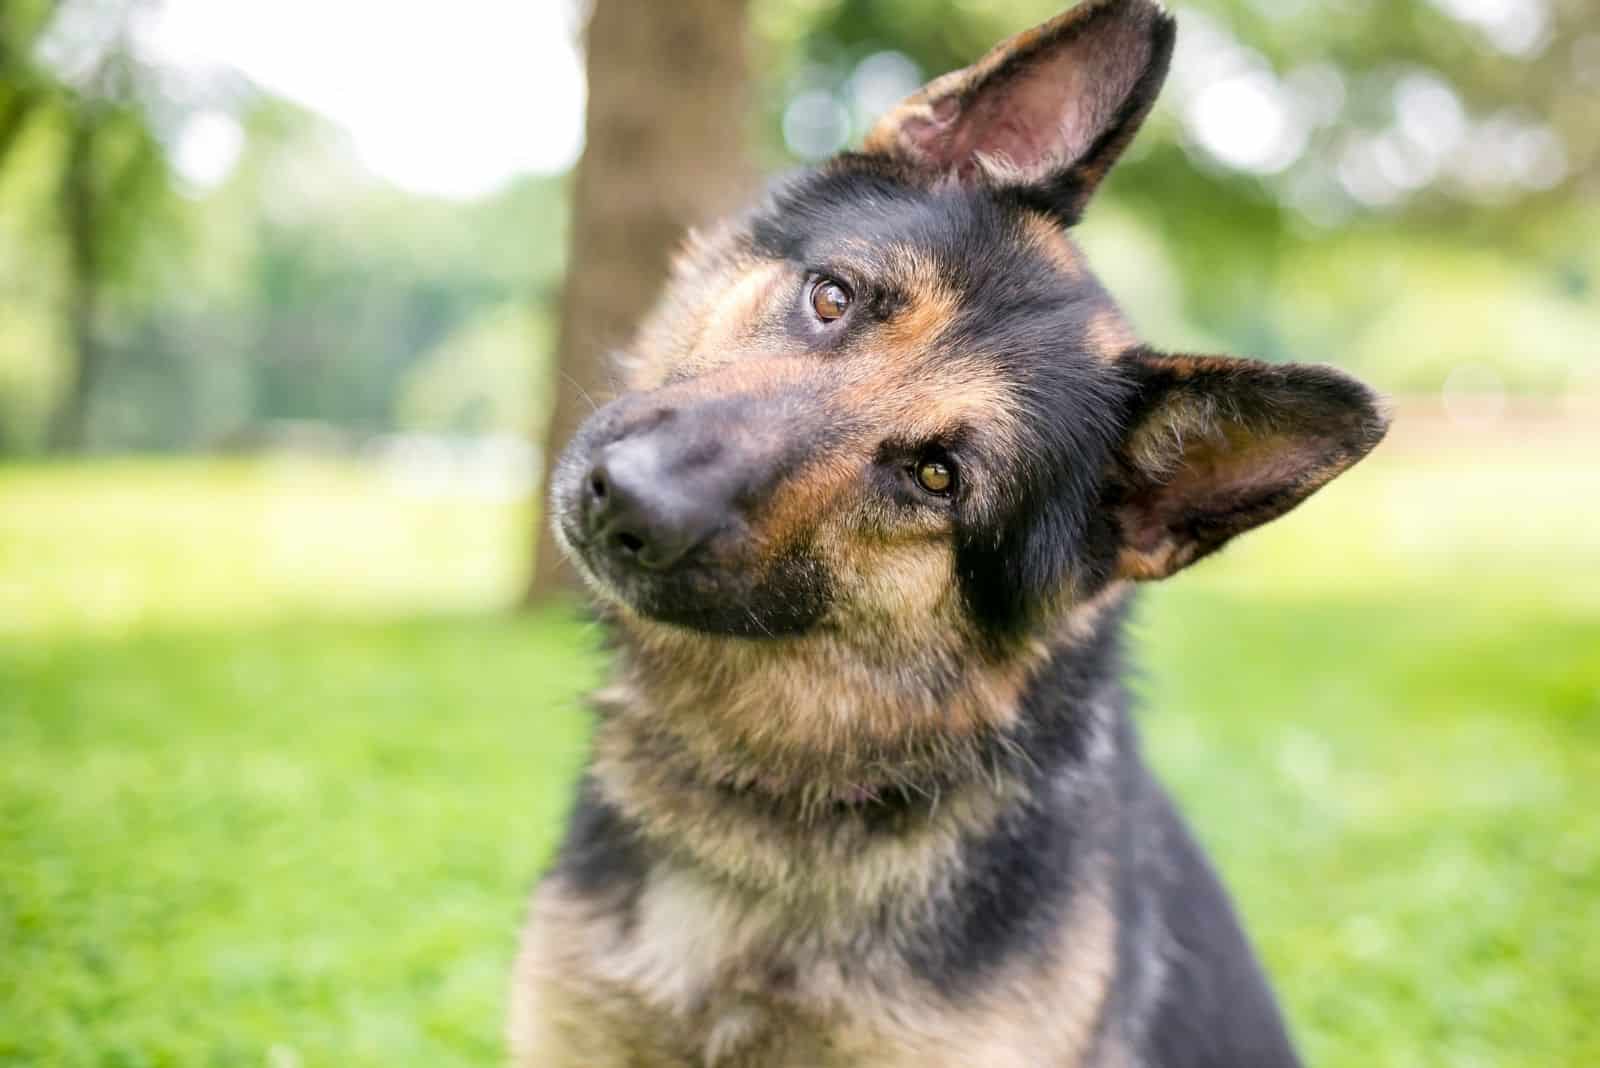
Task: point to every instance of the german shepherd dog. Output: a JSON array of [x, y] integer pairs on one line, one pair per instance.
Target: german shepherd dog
[[864, 523]]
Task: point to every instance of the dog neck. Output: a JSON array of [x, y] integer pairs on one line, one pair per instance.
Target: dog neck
[[767, 763]]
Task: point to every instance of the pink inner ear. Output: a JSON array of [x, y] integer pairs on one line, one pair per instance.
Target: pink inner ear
[[1221, 476], [1044, 112], [1041, 119], [932, 137]]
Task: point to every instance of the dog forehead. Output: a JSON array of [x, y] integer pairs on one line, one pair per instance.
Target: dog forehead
[[949, 279], [869, 221], [992, 259]]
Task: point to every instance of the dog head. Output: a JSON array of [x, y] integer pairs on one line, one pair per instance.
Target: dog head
[[893, 406]]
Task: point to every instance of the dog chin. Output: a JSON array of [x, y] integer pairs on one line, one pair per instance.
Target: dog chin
[[703, 608], [706, 602]]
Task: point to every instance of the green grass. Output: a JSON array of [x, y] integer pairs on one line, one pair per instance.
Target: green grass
[[276, 775], [308, 838]]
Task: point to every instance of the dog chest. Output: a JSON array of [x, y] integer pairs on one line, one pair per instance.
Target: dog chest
[[686, 976]]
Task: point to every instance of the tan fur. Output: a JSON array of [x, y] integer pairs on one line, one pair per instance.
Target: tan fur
[[730, 325], [1108, 331], [762, 932], [707, 976], [845, 710], [933, 305], [898, 380], [1197, 447], [1165, 558], [1051, 241], [736, 960], [1110, 334], [854, 805]]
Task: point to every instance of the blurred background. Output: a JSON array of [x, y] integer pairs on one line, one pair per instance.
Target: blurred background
[[294, 297]]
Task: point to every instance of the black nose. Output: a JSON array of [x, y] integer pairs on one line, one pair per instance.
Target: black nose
[[642, 505]]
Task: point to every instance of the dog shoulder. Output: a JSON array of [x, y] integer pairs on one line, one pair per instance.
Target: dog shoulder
[[1210, 1002]]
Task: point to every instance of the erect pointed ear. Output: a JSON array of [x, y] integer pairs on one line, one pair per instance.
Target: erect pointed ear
[[1217, 446], [1046, 112]]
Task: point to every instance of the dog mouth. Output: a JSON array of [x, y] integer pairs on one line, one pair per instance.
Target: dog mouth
[[710, 591]]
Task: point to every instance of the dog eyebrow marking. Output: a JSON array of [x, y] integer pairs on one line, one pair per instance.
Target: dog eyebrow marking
[[929, 302], [735, 315], [961, 392]]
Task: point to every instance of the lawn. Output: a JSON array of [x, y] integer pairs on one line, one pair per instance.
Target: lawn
[[279, 768]]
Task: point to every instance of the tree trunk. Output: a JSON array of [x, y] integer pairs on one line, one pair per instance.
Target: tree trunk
[[665, 138], [80, 223]]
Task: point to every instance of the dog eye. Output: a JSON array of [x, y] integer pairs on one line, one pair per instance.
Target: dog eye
[[936, 476], [829, 299]]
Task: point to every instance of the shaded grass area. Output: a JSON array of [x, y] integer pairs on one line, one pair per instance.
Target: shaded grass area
[[255, 809]]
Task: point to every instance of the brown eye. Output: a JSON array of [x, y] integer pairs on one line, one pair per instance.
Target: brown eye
[[935, 476], [829, 300]]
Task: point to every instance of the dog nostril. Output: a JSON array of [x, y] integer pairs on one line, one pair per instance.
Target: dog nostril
[[597, 486], [631, 544]]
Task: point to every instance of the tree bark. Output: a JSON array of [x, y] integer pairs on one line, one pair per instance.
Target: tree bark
[[665, 136]]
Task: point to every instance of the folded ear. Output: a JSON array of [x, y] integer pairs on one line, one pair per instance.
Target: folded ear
[[1047, 111], [1217, 446]]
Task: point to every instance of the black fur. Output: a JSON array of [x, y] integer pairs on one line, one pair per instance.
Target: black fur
[[708, 591], [1016, 310], [1016, 878], [1180, 946], [1111, 483], [1016, 882], [1214, 1005], [602, 853]]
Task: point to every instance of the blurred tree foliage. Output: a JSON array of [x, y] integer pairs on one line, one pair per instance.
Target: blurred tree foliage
[[139, 311], [108, 174], [1407, 187]]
